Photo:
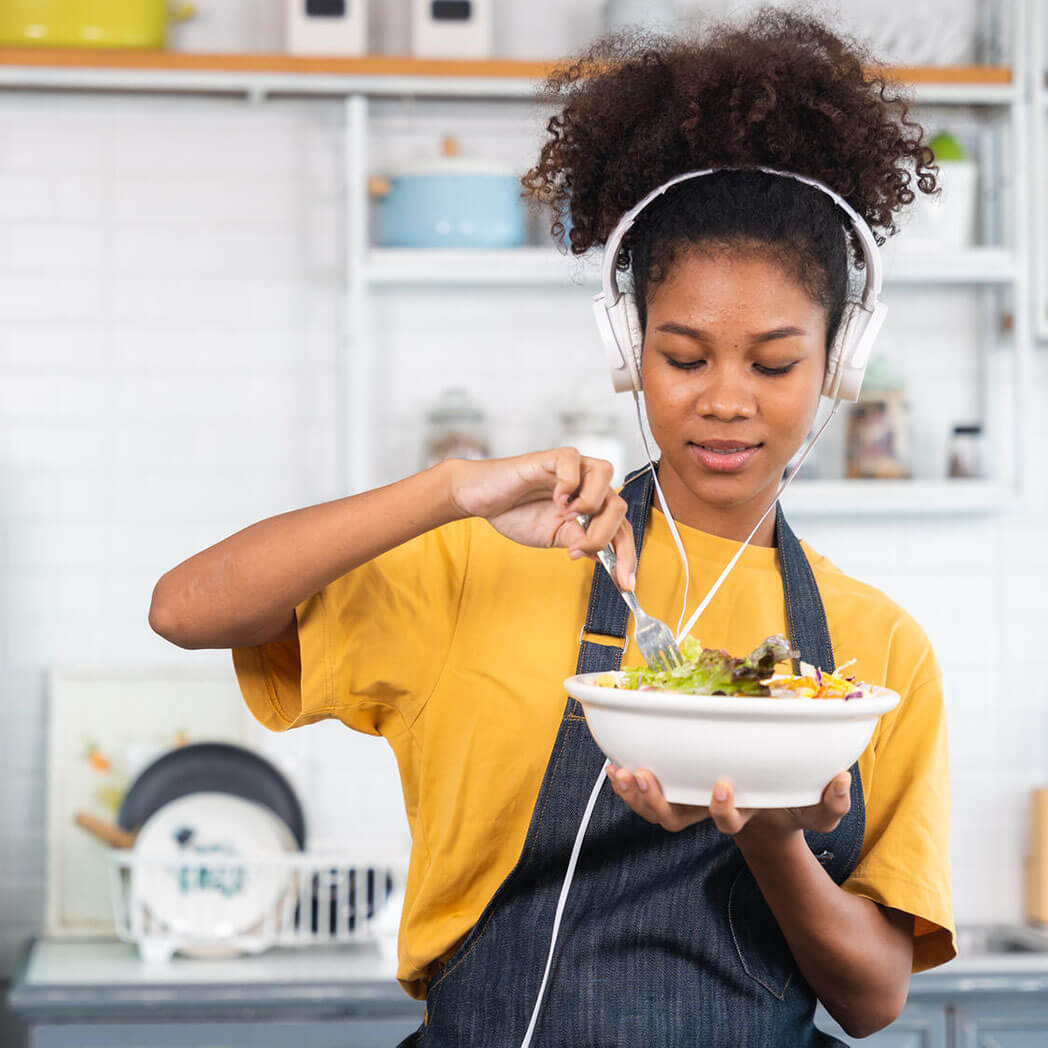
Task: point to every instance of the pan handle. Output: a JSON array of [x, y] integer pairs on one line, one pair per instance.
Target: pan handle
[[106, 832]]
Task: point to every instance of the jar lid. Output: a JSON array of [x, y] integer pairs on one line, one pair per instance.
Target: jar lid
[[455, 405], [589, 419]]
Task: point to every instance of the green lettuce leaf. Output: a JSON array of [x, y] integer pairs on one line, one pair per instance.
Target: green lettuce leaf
[[709, 671]]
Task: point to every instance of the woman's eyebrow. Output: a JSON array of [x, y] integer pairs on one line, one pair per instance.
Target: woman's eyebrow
[[671, 327]]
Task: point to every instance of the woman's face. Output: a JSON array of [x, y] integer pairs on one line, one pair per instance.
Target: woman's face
[[733, 364]]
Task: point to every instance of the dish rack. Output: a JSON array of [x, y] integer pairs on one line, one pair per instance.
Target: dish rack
[[218, 906]]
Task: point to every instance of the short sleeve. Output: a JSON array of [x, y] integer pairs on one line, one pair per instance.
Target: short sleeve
[[905, 863], [370, 646]]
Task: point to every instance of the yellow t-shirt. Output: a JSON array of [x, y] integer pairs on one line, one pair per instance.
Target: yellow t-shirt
[[454, 647]]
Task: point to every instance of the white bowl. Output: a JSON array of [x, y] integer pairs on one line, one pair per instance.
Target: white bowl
[[777, 753]]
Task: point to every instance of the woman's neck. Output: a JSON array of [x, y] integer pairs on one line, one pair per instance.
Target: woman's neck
[[727, 522]]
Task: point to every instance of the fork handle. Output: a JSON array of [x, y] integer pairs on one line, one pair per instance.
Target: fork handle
[[610, 562]]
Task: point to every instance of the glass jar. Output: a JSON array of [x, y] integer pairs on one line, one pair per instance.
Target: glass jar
[[967, 452], [878, 430], [596, 434], [456, 427]]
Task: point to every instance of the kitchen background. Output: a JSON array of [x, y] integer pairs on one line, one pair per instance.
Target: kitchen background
[[171, 297]]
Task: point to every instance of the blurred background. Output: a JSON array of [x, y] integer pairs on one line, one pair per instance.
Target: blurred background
[[255, 254]]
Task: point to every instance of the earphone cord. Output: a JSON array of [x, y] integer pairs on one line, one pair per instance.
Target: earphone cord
[[681, 634], [563, 899]]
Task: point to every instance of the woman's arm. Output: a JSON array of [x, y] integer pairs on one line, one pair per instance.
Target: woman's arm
[[855, 954], [244, 590]]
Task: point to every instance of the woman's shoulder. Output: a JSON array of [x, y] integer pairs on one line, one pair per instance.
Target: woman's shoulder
[[836, 584], [871, 626]]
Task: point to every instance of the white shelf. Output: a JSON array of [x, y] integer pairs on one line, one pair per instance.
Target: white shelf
[[520, 265], [258, 85], [965, 94], [546, 265], [854, 498], [973, 265]]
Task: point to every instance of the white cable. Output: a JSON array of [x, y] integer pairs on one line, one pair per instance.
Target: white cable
[[572, 862], [738, 553], [665, 509], [681, 634]]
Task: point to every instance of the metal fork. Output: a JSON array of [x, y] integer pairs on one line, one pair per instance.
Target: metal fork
[[654, 638]]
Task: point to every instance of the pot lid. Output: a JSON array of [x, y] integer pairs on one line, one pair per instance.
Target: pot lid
[[450, 162]]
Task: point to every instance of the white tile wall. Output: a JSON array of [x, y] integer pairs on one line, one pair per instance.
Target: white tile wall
[[166, 348], [168, 280]]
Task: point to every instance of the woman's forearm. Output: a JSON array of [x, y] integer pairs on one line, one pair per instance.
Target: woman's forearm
[[855, 954], [244, 589]]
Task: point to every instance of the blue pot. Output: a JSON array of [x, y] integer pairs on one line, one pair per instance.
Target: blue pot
[[453, 203]]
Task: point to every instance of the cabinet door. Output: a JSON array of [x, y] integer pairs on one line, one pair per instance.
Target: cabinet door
[[919, 1026], [994, 1022]]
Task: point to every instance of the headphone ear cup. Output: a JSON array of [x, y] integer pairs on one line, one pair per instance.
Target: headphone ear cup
[[836, 359], [635, 335], [850, 354]]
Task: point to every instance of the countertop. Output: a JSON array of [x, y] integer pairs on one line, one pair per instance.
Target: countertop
[[86, 977], [94, 977]]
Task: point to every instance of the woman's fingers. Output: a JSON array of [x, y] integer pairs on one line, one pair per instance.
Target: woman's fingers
[[836, 801], [602, 529], [642, 792], [595, 487], [728, 818], [568, 469], [625, 555]]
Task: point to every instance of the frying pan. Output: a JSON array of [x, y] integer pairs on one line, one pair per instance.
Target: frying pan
[[214, 767]]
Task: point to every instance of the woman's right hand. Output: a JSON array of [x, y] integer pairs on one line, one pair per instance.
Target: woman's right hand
[[534, 499]]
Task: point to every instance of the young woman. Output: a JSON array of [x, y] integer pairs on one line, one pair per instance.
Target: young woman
[[434, 611]]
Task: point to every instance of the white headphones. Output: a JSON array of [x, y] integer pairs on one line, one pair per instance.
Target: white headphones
[[619, 323]]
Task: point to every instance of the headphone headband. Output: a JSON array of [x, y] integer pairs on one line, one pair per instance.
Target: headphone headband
[[870, 251], [617, 319]]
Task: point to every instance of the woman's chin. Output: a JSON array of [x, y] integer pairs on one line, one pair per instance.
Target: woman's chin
[[726, 491]]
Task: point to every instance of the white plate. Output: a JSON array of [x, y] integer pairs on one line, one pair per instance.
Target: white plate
[[777, 753], [201, 871]]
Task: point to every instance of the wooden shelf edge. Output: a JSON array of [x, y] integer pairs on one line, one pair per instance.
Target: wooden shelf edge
[[398, 65]]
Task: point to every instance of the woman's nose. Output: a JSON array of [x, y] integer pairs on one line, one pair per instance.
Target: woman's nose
[[726, 397]]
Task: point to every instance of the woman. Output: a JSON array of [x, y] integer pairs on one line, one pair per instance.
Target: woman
[[433, 612]]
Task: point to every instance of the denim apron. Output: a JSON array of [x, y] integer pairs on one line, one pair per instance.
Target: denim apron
[[666, 940]]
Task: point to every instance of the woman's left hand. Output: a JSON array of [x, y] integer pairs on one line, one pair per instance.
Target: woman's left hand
[[642, 792]]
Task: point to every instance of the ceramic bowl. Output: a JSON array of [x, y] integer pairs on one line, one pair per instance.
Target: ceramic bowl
[[777, 753]]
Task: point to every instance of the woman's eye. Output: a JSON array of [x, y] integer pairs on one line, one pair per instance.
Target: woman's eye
[[685, 365], [763, 369]]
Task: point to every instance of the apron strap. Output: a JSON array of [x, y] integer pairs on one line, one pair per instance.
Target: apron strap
[[805, 615], [607, 614], [839, 850]]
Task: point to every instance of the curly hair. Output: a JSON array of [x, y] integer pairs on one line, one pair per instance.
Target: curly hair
[[781, 90]]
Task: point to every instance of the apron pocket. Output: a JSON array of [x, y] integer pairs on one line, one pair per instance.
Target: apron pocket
[[762, 948]]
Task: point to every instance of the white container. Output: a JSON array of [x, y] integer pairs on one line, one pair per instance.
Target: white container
[[777, 753], [947, 221], [326, 27], [452, 28], [658, 15]]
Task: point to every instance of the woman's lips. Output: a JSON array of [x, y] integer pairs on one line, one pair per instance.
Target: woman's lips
[[722, 457]]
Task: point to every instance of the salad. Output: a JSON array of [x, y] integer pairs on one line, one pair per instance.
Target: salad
[[709, 671]]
